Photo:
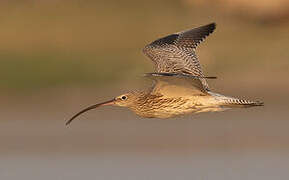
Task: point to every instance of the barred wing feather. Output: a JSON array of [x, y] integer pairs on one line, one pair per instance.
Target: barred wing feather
[[176, 53]]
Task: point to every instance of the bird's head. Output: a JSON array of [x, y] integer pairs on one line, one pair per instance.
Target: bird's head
[[124, 100]]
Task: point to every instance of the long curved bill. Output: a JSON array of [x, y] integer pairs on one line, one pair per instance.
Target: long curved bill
[[110, 102]]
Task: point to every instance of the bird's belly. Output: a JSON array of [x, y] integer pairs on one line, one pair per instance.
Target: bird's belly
[[172, 112], [167, 110]]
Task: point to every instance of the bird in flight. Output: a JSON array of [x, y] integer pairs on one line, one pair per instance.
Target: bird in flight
[[180, 86]]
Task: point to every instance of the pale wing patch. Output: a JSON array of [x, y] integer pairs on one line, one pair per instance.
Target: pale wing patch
[[176, 85]]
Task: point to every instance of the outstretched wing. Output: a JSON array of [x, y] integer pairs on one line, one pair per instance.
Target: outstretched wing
[[176, 85], [176, 53]]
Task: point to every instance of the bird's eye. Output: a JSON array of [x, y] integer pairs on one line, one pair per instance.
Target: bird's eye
[[123, 97]]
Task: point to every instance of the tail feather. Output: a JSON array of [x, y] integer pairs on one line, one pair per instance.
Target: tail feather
[[233, 102]]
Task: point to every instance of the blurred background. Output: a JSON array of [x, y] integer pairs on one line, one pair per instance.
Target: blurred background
[[59, 56]]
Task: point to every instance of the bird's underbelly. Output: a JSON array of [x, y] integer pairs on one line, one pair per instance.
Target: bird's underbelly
[[167, 110], [172, 112]]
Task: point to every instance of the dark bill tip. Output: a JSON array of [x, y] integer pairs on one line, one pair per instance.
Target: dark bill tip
[[110, 102]]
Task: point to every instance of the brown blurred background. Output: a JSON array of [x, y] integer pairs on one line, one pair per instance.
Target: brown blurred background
[[60, 56]]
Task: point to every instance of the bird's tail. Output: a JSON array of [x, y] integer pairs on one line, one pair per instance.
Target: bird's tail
[[239, 103], [230, 102]]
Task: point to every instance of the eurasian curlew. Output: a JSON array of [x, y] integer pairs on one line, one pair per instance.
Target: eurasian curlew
[[179, 84]]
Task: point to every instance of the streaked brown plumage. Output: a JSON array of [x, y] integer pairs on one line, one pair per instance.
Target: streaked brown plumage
[[179, 84]]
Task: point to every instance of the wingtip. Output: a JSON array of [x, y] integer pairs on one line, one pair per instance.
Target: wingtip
[[210, 77], [212, 26]]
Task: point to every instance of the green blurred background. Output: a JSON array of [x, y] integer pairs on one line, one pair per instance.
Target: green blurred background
[[60, 56]]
